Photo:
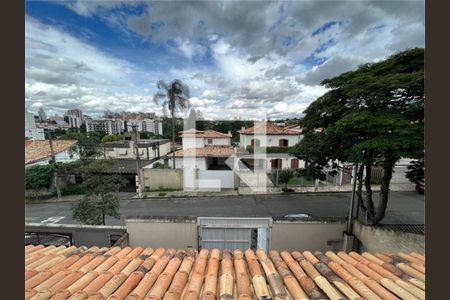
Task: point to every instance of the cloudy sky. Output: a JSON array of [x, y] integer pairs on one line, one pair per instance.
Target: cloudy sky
[[236, 56]]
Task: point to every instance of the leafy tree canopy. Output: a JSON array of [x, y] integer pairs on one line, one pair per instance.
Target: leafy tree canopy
[[373, 116], [38, 177], [100, 199], [416, 170], [111, 138]]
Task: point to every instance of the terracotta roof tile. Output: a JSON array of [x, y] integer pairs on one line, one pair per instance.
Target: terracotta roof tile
[[167, 274], [268, 128], [37, 150], [204, 133], [207, 151]]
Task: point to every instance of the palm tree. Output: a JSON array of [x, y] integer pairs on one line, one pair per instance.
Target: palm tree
[[175, 96]]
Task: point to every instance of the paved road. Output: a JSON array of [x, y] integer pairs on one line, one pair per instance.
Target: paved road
[[403, 207]]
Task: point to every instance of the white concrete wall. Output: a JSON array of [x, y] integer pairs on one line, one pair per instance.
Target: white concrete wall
[[189, 163], [219, 141], [35, 134], [165, 234], [292, 236], [268, 140], [193, 142], [378, 240], [155, 179], [218, 179]]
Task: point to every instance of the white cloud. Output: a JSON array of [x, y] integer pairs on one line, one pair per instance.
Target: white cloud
[[258, 54]]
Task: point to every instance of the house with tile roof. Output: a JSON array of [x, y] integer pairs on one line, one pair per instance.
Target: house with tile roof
[[132, 273], [274, 141], [39, 153], [202, 161], [204, 150]]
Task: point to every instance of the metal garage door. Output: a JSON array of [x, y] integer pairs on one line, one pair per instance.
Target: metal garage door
[[234, 233]]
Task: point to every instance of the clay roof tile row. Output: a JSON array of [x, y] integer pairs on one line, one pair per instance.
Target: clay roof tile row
[[268, 128], [169, 274], [37, 150]]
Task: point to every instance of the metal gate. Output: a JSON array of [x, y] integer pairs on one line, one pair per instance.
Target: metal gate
[[234, 233]]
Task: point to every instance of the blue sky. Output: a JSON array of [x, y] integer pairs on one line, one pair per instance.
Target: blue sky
[[235, 56]]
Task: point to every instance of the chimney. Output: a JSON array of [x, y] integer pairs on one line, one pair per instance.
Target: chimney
[[229, 132], [242, 128]]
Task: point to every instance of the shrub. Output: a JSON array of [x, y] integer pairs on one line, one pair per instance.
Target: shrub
[[111, 138], [73, 189], [284, 177], [158, 165], [38, 177]]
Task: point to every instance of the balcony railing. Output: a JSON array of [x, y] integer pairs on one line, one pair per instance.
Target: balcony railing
[[270, 149]]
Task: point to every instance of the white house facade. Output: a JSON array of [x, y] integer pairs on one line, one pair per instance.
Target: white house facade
[[264, 135], [203, 160]]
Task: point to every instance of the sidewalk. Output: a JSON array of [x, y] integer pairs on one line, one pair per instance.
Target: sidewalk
[[396, 187], [241, 191], [75, 198]]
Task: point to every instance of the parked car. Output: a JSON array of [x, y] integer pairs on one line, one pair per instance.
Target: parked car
[[298, 216], [420, 187]]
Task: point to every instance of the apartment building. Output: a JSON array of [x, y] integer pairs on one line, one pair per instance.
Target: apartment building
[[75, 117], [145, 125], [108, 126], [31, 131]]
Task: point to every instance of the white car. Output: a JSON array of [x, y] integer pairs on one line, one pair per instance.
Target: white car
[[298, 216]]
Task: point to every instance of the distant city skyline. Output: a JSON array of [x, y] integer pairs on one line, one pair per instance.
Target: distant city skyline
[[99, 55]]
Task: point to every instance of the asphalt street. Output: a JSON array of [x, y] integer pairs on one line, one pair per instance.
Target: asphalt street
[[403, 207]]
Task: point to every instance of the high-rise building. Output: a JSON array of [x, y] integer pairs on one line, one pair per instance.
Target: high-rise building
[[146, 125], [42, 117], [108, 126], [31, 131], [75, 117], [75, 112]]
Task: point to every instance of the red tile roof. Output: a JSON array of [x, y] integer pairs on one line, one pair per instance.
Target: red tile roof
[[37, 150], [268, 128], [136, 273], [204, 133], [207, 151]]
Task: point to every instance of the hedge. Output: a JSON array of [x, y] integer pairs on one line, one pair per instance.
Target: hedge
[[38, 177]]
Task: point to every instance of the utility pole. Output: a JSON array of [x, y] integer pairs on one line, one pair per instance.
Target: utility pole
[[55, 174], [352, 201], [139, 182]]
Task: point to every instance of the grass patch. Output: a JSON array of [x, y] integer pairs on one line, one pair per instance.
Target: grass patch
[[162, 194], [297, 181], [75, 189], [32, 200]]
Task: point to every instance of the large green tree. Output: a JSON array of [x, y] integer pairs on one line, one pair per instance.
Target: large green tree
[[88, 146], [175, 97], [100, 198], [372, 116]]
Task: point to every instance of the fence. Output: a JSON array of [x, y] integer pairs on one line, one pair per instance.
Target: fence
[[295, 181]]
